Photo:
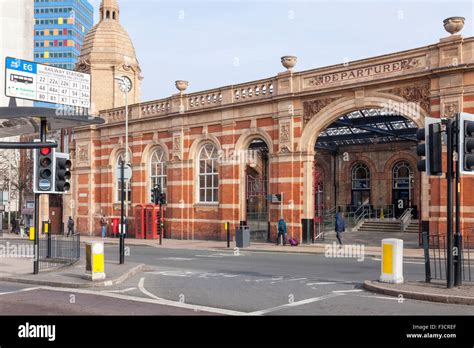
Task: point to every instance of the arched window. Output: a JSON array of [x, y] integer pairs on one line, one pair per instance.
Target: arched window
[[107, 14], [113, 15], [208, 174], [158, 169], [128, 185], [360, 184], [402, 175], [403, 182]]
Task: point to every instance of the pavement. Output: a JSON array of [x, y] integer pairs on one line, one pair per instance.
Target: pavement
[[371, 244], [433, 292], [19, 270]]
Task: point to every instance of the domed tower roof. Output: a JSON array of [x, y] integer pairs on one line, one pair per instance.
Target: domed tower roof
[[108, 42], [108, 53]]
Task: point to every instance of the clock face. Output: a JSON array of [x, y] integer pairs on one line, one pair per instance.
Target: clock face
[[125, 84]]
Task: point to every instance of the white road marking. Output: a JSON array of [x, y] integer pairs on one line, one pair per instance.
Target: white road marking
[[322, 283], [268, 279], [120, 291], [173, 273], [295, 304], [287, 280], [382, 297], [345, 291], [211, 256], [141, 287], [154, 300], [175, 258], [19, 291]]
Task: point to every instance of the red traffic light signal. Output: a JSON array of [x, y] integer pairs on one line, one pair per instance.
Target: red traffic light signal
[[45, 151]]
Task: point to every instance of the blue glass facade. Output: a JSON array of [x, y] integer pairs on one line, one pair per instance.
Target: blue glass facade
[[60, 29]]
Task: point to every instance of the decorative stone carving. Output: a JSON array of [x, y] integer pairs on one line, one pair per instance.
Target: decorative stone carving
[[178, 146], [285, 138], [450, 109], [285, 132], [419, 94], [284, 149], [363, 73], [312, 107], [83, 154]]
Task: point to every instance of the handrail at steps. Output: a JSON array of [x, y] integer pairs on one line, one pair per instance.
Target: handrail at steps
[[405, 219]]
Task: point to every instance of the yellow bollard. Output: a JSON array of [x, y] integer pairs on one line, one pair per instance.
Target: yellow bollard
[[32, 233], [392, 261], [95, 261]]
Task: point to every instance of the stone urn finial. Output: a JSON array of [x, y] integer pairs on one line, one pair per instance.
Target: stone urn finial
[[454, 25], [181, 85], [289, 62]]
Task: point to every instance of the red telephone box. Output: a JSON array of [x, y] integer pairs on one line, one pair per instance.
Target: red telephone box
[[139, 222], [153, 221]]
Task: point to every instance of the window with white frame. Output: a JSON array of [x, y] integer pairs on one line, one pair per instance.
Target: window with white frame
[[127, 186], [158, 170], [208, 175]]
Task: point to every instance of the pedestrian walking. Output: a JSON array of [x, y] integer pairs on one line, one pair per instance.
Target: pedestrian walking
[[281, 231], [340, 227], [70, 226], [103, 224]]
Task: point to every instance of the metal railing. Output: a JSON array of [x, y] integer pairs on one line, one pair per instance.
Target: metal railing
[[58, 251], [436, 260], [405, 219]]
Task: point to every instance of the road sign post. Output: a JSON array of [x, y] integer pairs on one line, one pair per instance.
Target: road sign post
[[122, 201]]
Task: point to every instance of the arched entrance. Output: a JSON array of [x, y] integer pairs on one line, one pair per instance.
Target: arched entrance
[[356, 140], [256, 189]]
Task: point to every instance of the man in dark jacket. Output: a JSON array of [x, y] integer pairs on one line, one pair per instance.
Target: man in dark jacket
[[281, 231], [70, 226], [340, 227]]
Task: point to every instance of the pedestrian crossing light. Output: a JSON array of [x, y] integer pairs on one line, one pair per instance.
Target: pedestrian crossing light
[[43, 170], [466, 145], [63, 166]]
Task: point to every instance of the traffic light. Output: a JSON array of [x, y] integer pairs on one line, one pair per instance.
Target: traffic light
[[421, 149], [62, 165], [43, 170], [154, 195], [162, 198], [431, 149], [466, 146]]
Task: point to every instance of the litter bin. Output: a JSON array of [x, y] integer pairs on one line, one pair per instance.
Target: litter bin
[[242, 237]]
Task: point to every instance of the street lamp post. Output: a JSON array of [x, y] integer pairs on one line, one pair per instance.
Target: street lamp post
[[125, 85]]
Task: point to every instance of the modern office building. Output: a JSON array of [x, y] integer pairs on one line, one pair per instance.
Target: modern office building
[[60, 29]]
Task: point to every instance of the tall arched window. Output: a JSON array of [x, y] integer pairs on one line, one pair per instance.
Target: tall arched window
[[128, 185], [360, 184], [158, 169], [403, 182], [208, 174]]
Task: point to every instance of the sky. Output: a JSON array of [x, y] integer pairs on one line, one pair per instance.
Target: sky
[[217, 43]]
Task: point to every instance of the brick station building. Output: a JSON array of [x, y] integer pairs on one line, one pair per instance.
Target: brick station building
[[337, 136]]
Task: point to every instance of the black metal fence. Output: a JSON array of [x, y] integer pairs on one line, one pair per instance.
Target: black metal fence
[[58, 251], [436, 257]]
